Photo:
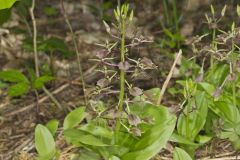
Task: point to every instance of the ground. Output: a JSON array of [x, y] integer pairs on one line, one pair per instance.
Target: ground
[[19, 116]]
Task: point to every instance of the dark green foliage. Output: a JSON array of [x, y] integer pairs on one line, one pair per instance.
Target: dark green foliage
[[20, 83]]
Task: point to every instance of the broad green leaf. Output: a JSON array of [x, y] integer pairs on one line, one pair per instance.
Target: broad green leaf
[[13, 76], [76, 135], [52, 125], [152, 142], [18, 89], [118, 150], [97, 130], [194, 117], [202, 139], [114, 158], [74, 118], [217, 74], [152, 94], [233, 137], [39, 82], [182, 140], [207, 87], [180, 154], [227, 111], [85, 154], [156, 136], [6, 3], [44, 143]]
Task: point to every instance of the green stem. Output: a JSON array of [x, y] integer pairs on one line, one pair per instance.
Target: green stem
[[122, 72], [213, 44], [234, 93], [122, 80], [232, 72]]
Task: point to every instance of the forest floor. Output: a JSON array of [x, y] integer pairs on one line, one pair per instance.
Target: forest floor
[[19, 116]]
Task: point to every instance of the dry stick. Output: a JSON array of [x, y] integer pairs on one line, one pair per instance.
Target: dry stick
[[76, 50], [165, 84], [36, 57]]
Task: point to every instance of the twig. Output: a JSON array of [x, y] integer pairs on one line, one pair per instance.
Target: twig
[[76, 50], [165, 84], [36, 60], [221, 158], [50, 95]]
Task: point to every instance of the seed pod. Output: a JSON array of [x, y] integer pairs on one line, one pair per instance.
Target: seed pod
[[102, 53], [133, 120], [199, 78], [232, 77], [135, 91], [148, 120], [147, 63], [102, 82], [217, 92], [135, 131], [124, 66]]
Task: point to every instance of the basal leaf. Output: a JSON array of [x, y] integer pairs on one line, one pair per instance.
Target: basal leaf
[[207, 87], [180, 154], [227, 111], [87, 155], [217, 74], [155, 137], [97, 130], [44, 143], [76, 135], [194, 117], [114, 158], [201, 139], [74, 118], [52, 126], [182, 140]]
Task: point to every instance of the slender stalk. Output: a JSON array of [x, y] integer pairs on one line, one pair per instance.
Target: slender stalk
[[50, 95], [76, 50], [36, 60], [122, 72], [231, 72], [122, 79], [214, 45], [34, 39], [165, 84]]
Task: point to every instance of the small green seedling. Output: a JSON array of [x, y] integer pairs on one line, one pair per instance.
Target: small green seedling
[[19, 83]]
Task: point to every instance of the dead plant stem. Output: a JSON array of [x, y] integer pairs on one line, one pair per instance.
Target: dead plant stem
[[165, 84], [36, 60], [76, 50]]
